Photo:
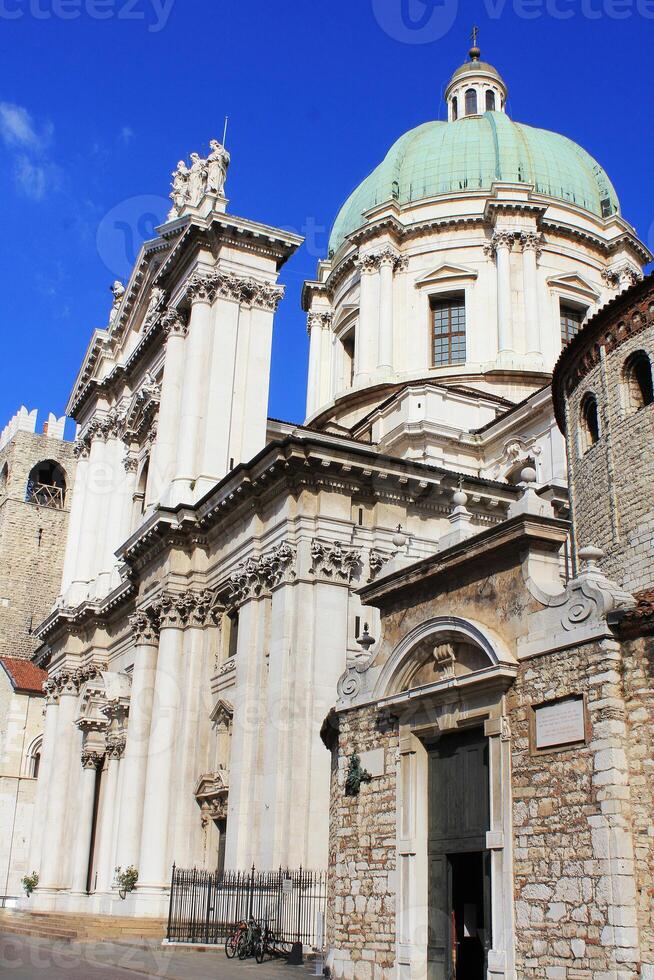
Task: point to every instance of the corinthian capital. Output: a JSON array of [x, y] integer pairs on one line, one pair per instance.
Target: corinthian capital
[[91, 760], [174, 324], [144, 627], [201, 289], [319, 320], [531, 242], [499, 239]]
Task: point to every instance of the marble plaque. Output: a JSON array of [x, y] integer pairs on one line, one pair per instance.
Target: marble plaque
[[560, 723]]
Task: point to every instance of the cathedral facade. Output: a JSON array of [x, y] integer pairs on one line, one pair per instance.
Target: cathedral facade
[[229, 579]]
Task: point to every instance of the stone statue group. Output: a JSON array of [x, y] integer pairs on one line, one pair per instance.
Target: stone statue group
[[204, 176]]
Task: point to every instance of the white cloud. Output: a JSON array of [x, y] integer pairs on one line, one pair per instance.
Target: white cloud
[[31, 178], [17, 127], [126, 135], [26, 143]]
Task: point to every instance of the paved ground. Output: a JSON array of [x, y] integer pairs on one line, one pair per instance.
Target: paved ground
[[28, 958]]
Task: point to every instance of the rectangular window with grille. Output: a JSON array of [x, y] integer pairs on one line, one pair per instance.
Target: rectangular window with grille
[[448, 330], [571, 321]]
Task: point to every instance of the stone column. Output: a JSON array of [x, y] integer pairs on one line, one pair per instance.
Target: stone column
[[531, 249], [502, 242], [387, 261], [145, 630], [115, 748], [53, 864], [185, 821], [84, 821], [162, 462], [76, 502], [214, 463], [368, 321], [128, 489], [255, 419], [95, 497], [154, 865], [314, 329], [193, 397], [48, 746], [110, 525]]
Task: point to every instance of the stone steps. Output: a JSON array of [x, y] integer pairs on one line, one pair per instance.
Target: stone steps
[[69, 927]]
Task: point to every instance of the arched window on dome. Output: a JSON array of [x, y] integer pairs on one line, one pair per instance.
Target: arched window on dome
[[455, 109], [637, 379], [572, 318], [490, 101], [471, 102], [590, 424]]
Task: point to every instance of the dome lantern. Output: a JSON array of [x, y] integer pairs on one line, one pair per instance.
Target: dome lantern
[[475, 88]]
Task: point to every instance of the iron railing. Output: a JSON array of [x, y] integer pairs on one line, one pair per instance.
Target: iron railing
[[45, 495], [205, 906]]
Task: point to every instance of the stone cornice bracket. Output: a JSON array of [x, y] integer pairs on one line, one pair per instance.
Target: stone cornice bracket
[[332, 562], [91, 759], [144, 627], [174, 324]]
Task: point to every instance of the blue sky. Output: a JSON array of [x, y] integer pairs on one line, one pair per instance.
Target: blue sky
[[100, 98]]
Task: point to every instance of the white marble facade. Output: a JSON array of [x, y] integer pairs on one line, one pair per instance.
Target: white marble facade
[[208, 603]]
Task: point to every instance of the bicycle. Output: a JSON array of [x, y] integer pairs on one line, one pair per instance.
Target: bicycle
[[263, 943], [249, 939], [234, 940]]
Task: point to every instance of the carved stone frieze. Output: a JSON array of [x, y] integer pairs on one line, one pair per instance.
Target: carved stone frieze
[[331, 561]]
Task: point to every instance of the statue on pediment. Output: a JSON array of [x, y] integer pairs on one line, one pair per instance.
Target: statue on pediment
[[206, 175]]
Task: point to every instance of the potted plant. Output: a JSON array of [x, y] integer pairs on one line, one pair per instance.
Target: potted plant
[[29, 883], [126, 879]]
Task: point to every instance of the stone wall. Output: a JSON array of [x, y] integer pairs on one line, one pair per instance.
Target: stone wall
[[572, 814], [639, 702], [362, 852], [32, 542], [611, 481]]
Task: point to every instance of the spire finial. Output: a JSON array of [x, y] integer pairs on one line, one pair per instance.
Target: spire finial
[[474, 52]]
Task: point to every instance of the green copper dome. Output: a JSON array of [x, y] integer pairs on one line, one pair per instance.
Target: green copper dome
[[470, 155]]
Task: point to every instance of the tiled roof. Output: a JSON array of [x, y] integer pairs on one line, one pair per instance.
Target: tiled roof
[[24, 675]]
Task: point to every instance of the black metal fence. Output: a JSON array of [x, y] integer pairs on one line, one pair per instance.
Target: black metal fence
[[205, 905]]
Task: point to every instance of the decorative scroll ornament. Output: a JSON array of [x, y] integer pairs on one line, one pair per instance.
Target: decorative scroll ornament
[[334, 562], [445, 658]]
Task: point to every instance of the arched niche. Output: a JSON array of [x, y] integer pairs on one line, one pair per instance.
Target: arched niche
[[446, 648]]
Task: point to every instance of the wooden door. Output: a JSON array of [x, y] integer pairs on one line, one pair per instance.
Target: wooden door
[[458, 821]]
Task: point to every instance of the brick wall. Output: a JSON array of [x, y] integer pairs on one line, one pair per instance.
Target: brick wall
[[32, 542]]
